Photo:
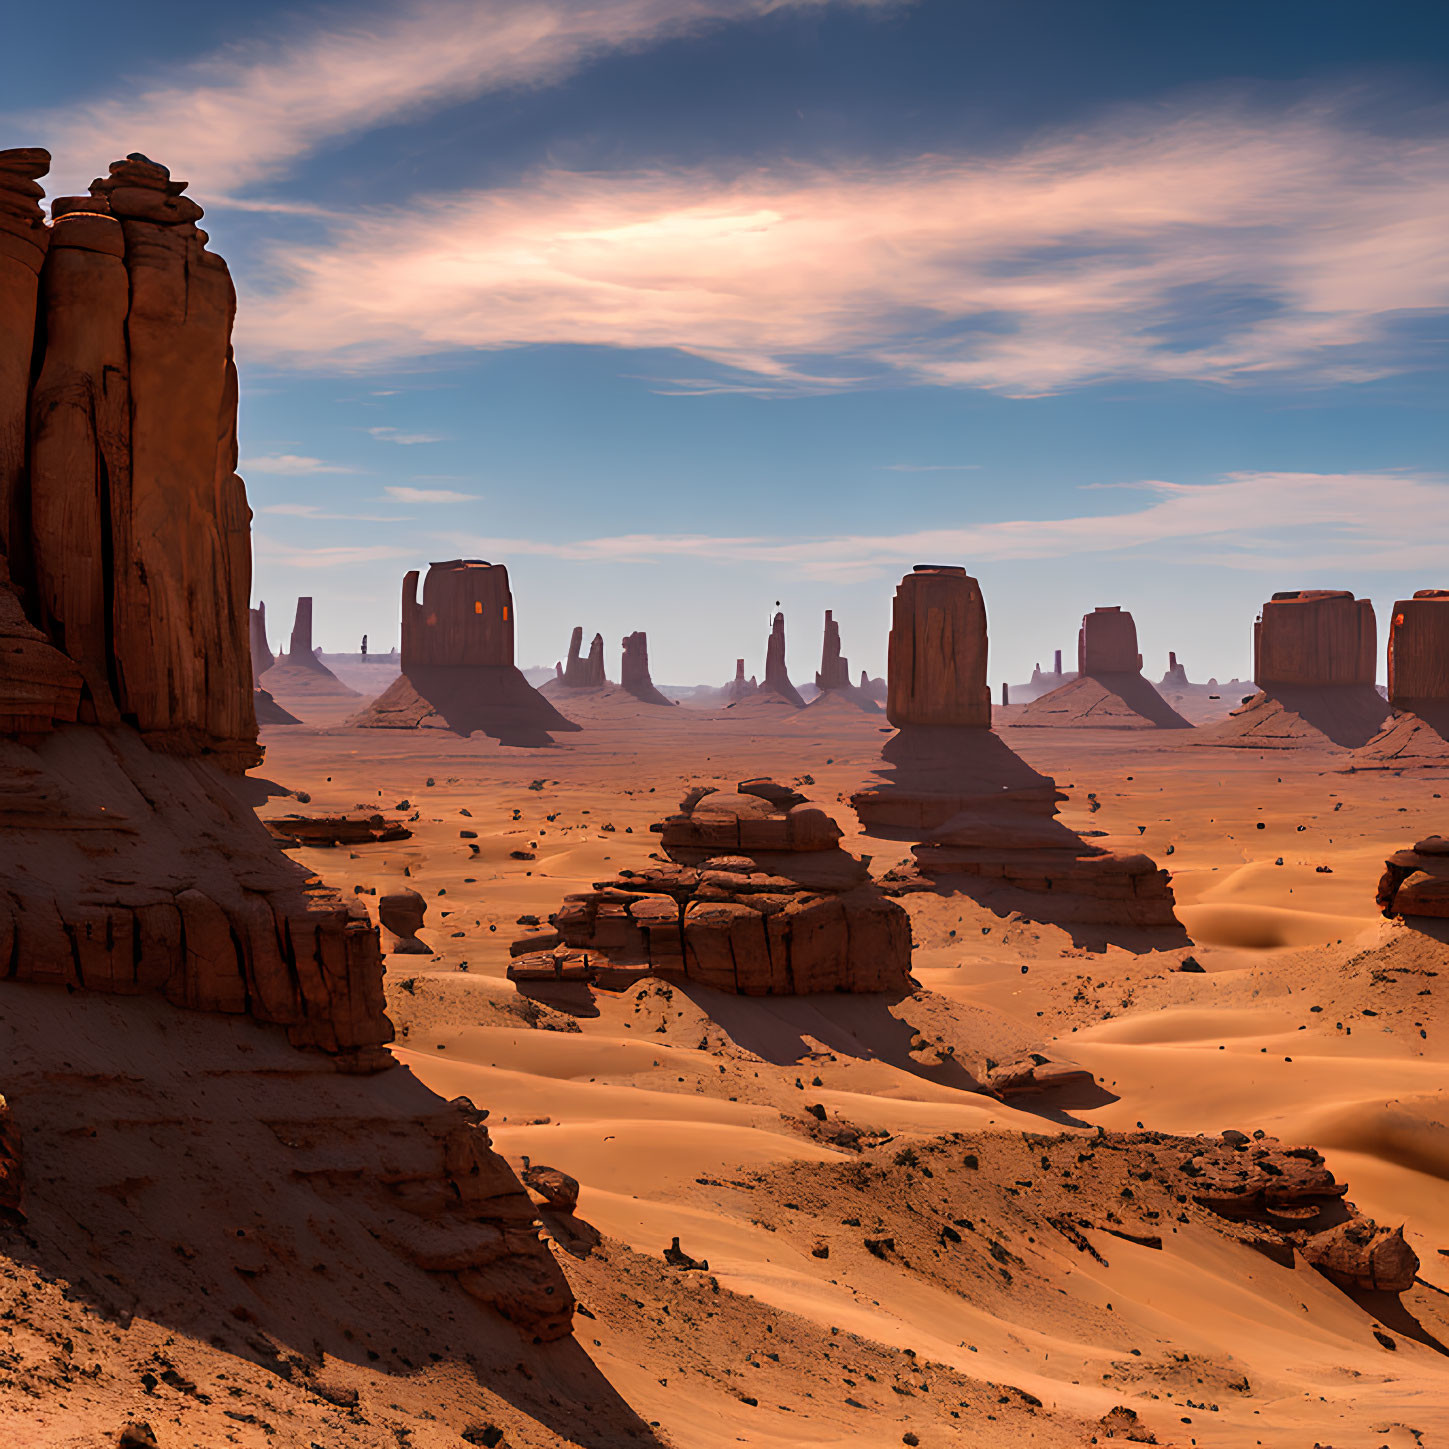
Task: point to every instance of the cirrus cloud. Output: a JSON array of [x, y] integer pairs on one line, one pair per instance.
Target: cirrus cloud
[[1215, 246]]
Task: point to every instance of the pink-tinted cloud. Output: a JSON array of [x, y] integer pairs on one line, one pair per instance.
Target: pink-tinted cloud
[[246, 113], [1293, 523], [1213, 246]]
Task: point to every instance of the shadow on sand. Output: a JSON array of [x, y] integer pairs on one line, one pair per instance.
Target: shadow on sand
[[493, 700]]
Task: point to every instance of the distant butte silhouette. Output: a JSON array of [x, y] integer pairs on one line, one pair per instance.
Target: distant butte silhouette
[[982, 819], [1109, 691], [1314, 658], [833, 677], [634, 670], [299, 675], [458, 671]]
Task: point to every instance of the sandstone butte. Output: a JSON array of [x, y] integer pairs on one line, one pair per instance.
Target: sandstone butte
[[777, 676], [739, 687], [979, 815], [634, 670], [1417, 734], [458, 670], [758, 898], [584, 671], [138, 877], [1109, 691], [1314, 657], [833, 677], [299, 675]]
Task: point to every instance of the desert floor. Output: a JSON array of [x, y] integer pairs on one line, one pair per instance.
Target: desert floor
[[685, 1113]]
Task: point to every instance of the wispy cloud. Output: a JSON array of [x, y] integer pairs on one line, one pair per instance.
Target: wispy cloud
[[392, 435], [316, 511], [1294, 525], [427, 495], [1218, 245], [931, 467], [292, 464], [248, 112], [269, 550]]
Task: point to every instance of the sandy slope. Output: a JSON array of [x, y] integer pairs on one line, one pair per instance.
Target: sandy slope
[[685, 1113]]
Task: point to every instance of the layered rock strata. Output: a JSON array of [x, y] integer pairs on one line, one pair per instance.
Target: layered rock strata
[[134, 867], [758, 899], [123, 522], [978, 814], [1416, 882], [1109, 691], [936, 670], [1314, 656], [1417, 734], [458, 670], [634, 670]]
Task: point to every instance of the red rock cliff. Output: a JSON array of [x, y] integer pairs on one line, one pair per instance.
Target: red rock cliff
[[1419, 648], [936, 674], [1315, 637]]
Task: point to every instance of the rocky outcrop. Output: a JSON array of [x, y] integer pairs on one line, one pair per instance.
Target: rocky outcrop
[[739, 687], [1419, 649], [1109, 691], [834, 671], [1417, 733], [402, 912], [936, 673], [1313, 638], [1176, 676], [777, 676], [981, 818], [262, 656], [1416, 882], [833, 679], [584, 672], [872, 688], [1314, 661], [137, 874], [299, 677], [758, 899], [634, 670], [125, 527], [458, 672]]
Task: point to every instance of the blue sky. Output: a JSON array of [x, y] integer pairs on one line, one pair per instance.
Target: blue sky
[[682, 307]]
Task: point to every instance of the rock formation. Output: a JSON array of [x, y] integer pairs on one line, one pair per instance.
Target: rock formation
[[1314, 655], [777, 677], [299, 676], [936, 670], [833, 678], [634, 670], [136, 873], [759, 900], [121, 516], [580, 672], [1417, 735], [1109, 691], [402, 912], [1416, 882], [262, 656], [872, 688], [739, 687], [1176, 676], [834, 672], [979, 815], [458, 670]]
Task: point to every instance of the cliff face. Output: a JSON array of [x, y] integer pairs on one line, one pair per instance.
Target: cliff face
[[1107, 643], [936, 673], [127, 528], [134, 866], [1315, 637], [1419, 648], [465, 617]]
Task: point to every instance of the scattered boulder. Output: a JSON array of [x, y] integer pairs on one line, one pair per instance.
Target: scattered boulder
[[1416, 882], [557, 1189], [1033, 1074], [402, 912], [333, 830], [1360, 1254]]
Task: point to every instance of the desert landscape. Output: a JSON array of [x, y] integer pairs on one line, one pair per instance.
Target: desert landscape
[[431, 1045]]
